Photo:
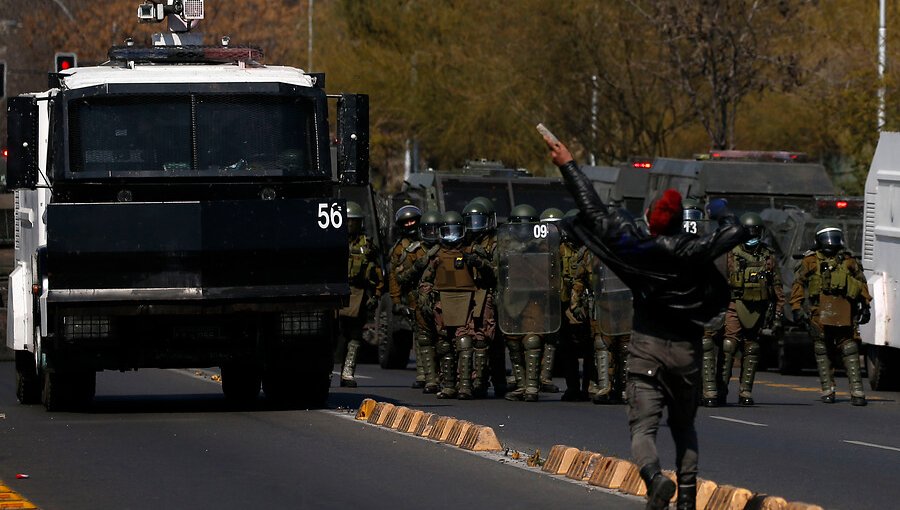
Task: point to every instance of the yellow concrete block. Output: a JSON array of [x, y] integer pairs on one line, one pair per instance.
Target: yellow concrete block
[[579, 466], [410, 421], [560, 459], [458, 432], [592, 465], [633, 483], [4, 488], [610, 473], [423, 429], [365, 409], [377, 411], [18, 505], [766, 502], [802, 506], [705, 490], [442, 428], [10, 496], [727, 497], [481, 439], [398, 417], [387, 415]]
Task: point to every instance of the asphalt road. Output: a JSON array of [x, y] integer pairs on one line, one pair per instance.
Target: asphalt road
[[166, 439]]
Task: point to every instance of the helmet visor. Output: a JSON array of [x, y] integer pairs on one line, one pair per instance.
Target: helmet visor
[[452, 233], [755, 231], [693, 215], [831, 238], [429, 232], [476, 222]]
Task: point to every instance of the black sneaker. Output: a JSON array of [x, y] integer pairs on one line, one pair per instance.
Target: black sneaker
[[745, 401], [858, 401], [828, 399], [431, 389], [660, 492]]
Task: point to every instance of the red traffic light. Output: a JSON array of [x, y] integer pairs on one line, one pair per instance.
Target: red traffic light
[[65, 61], [5, 152]]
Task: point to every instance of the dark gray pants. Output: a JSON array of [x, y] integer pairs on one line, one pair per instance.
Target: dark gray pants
[[664, 374]]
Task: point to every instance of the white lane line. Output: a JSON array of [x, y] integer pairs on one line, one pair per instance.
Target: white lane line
[[740, 421], [860, 443]]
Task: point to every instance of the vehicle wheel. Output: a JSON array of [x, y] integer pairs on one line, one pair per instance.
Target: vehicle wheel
[[241, 382], [28, 382], [881, 365], [68, 391], [393, 352]]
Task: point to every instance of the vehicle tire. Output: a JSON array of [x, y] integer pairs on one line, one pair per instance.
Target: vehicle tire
[[28, 382], [241, 382], [69, 390], [881, 365], [393, 352]]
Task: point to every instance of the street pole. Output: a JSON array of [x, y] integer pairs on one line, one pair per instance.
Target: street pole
[[309, 50], [882, 61]]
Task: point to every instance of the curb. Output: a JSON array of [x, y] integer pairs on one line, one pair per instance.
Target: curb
[[12, 499], [579, 465]]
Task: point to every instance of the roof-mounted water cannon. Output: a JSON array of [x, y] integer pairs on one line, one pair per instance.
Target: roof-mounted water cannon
[[182, 16]]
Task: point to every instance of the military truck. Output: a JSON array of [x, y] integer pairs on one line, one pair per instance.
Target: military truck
[[624, 185], [175, 207], [881, 261]]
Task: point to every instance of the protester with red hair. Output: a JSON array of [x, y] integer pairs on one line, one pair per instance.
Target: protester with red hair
[[677, 292]]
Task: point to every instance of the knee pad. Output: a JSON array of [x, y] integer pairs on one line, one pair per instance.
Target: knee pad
[[729, 345], [600, 344], [424, 339], [751, 348], [481, 343], [531, 342], [849, 348], [819, 347], [464, 343], [443, 347], [708, 344]]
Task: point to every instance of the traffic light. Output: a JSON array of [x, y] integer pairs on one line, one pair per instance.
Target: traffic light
[[65, 61], [2, 79]]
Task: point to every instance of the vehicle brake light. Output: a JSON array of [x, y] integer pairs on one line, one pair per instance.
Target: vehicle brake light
[[642, 164], [841, 204]]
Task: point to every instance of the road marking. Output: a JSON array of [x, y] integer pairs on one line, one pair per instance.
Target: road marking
[[740, 421], [860, 443]]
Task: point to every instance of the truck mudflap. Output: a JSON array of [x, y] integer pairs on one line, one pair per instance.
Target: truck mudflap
[[225, 250], [20, 322]]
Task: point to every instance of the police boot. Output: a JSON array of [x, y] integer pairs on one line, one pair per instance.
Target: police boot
[[826, 375], [601, 360], [850, 353], [448, 370], [749, 362], [464, 348], [710, 385], [687, 493], [480, 378], [533, 351], [419, 383], [349, 368], [515, 389], [659, 488], [729, 348], [431, 379], [546, 369]]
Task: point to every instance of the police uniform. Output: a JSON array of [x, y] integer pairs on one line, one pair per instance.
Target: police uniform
[[481, 257], [404, 253], [833, 283], [366, 284], [576, 339]]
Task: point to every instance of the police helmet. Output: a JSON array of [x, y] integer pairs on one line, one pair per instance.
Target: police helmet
[[476, 217], [755, 227], [829, 238], [430, 225], [490, 210], [551, 214], [354, 210], [453, 228], [355, 215], [407, 213], [693, 209], [523, 213]]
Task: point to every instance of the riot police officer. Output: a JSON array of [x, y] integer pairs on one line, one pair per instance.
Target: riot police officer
[[575, 339], [837, 296], [429, 233], [366, 284], [406, 250], [757, 301], [480, 246], [528, 296]]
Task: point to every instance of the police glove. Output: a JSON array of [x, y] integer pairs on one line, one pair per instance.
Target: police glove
[[865, 315], [716, 208], [472, 260], [401, 309], [777, 326], [372, 303]]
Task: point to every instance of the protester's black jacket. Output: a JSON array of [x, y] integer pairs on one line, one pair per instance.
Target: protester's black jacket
[[672, 277]]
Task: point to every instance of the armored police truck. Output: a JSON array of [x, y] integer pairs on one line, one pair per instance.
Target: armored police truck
[[175, 207], [881, 262]]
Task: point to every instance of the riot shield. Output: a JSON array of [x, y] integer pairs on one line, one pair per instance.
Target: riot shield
[[699, 227], [528, 278], [612, 302]]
